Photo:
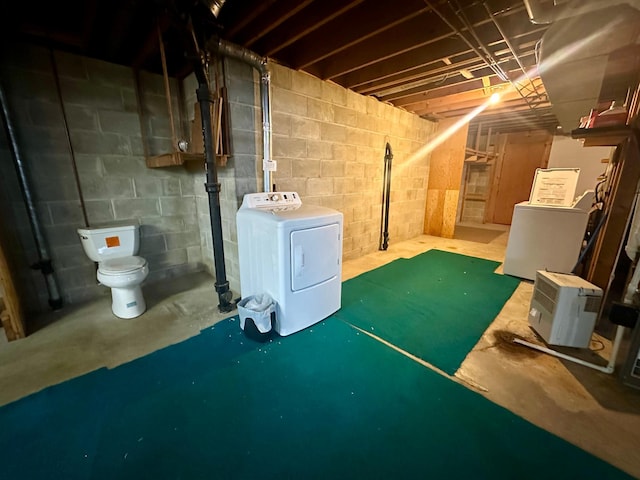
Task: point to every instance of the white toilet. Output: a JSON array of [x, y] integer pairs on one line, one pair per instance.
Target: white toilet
[[114, 249]]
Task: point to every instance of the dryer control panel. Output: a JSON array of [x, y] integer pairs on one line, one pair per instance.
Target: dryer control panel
[[272, 200]]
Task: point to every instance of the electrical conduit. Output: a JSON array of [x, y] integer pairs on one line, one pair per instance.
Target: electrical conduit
[[228, 49], [44, 260]]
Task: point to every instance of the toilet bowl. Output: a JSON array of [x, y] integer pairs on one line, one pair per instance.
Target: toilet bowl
[[124, 276], [115, 248]]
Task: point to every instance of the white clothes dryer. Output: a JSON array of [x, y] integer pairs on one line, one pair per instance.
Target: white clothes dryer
[[293, 252]]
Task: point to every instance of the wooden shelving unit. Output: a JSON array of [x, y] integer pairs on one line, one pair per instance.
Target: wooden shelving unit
[[625, 175], [602, 136], [195, 148], [173, 159]]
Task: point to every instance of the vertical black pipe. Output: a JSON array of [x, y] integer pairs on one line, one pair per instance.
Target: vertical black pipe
[[386, 195], [205, 99], [44, 261]]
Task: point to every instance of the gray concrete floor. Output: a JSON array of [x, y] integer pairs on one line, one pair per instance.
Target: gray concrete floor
[[590, 409]]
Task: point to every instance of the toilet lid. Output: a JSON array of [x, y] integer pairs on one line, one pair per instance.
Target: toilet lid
[[122, 265]]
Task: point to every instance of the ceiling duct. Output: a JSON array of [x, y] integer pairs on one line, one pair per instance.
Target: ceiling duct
[[540, 12], [576, 55], [544, 12]]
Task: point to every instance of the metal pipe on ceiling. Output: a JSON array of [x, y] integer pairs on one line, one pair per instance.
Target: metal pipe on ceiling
[[510, 47], [545, 13], [537, 14], [464, 38], [467, 23], [432, 76], [488, 60]]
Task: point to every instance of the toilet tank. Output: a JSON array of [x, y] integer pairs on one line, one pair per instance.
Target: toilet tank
[[110, 242]]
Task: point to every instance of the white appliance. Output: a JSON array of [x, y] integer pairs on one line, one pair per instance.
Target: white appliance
[[546, 238], [631, 372], [564, 309], [542, 238], [293, 252]]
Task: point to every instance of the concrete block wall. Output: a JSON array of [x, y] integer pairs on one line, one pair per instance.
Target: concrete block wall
[[105, 130], [329, 143], [241, 98]]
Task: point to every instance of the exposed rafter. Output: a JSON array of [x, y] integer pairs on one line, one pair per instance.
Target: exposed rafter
[[424, 56]]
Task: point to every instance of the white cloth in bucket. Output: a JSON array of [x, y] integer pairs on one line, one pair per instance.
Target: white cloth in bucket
[[258, 308]]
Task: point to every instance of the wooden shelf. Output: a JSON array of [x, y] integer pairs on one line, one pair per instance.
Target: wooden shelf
[[602, 136], [180, 158], [476, 196]]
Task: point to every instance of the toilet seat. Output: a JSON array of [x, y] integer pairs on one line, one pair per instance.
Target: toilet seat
[[122, 265]]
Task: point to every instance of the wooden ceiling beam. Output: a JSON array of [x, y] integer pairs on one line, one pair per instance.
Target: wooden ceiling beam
[[512, 107], [150, 45], [454, 80], [272, 18], [521, 123], [399, 97], [437, 77], [244, 17], [313, 18], [468, 85], [429, 77], [413, 34], [526, 47], [422, 72], [486, 78], [427, 54], [466, 102], [531, 118], [362, 22], [447, 47]]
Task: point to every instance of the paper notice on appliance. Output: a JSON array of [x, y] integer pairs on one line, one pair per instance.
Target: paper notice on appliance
[[554, 187]]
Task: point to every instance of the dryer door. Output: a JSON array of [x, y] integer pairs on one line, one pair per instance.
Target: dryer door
[[315, 255]]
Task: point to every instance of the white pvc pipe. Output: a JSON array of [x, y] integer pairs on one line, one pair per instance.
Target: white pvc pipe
[[609, 368], [616, 346]]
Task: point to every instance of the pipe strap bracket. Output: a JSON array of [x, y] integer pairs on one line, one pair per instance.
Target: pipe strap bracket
[[205, 95], [212, 187], [44, 266], [222, 287]]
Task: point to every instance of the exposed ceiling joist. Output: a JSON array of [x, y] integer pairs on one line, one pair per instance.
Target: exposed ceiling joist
[[436, 58], [295, 29], [273, 18], [365, 21]]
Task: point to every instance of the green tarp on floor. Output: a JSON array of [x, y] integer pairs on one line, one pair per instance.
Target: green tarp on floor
[[435, 305], [328, 402]]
